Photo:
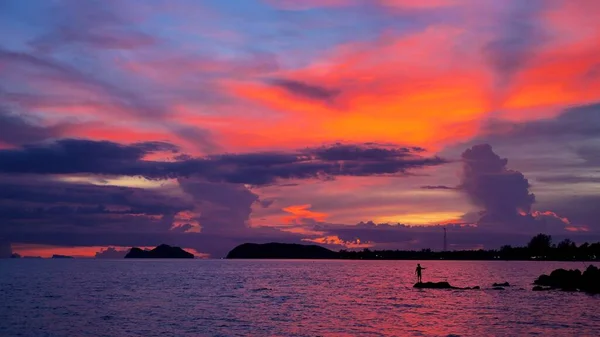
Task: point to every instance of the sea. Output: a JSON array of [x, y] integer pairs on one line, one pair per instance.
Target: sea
[[80, 297]]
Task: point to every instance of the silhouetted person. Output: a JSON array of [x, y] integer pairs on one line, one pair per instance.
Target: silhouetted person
[[418, 272]]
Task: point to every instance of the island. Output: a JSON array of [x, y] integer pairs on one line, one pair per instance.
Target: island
[[57, 256], [280, 251], [161, 252]]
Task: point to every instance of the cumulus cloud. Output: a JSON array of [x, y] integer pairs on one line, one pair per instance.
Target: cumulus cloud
[[503, 194], [111, 253], [488, 183], [222, 207]]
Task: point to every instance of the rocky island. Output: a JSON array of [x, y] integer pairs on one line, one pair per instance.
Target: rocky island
[[280, 251], [58, 256], [161, 252]]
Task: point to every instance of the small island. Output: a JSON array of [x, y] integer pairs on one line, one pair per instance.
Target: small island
[[58, 256], [280, 251], [161, 252]]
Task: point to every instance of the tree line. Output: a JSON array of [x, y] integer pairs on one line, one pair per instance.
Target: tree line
[[540, 247]]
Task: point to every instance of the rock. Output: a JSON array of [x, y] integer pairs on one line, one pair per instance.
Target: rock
[[161, 252], [57, 256], [497, 288], [572, 280], [433, 285], [440, 285], [15, 256], [505, 284]]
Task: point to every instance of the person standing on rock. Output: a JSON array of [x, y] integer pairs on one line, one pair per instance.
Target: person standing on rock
[[418, 272]]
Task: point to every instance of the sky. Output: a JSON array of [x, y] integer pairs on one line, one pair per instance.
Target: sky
[[347, 123]]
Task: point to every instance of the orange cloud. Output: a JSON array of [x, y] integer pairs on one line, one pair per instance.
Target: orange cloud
[[299, 213], [335, 240]]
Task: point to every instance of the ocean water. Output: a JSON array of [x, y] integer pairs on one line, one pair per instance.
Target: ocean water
[[284, 298]]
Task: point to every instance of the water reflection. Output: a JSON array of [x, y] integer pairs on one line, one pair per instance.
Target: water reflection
[[284, 298]]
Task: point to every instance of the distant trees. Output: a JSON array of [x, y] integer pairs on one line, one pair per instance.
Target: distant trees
[[540, 247]]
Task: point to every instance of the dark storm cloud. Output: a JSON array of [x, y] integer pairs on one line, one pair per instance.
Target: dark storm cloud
[[306, 90], [35, 193], [69, 156], [32, 205], [488, 183], [373, 151], [222, 207]]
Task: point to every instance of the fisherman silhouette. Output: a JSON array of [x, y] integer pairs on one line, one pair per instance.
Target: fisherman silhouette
[[418, 272]]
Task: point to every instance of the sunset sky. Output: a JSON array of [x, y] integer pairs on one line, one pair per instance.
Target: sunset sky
[[347, 123]]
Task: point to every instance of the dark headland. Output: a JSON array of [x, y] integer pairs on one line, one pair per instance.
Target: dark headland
[[160, 252], [281, 251]]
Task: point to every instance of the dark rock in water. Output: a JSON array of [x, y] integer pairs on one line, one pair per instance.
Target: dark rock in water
[[280, 251], [160, 252], [15, 256], [505, 284], [439, 285], [433, 285], [56, 256], [498, 288], [572, 280]]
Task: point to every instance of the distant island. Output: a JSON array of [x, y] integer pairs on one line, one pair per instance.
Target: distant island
[[539, 248], [161, 252], [280, 251], [57, 256]]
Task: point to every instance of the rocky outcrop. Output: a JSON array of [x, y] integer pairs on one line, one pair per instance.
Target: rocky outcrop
[[160, 252], [571, 280], [438, 285]]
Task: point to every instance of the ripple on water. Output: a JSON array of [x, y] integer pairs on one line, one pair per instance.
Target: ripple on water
[[283, 298]]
